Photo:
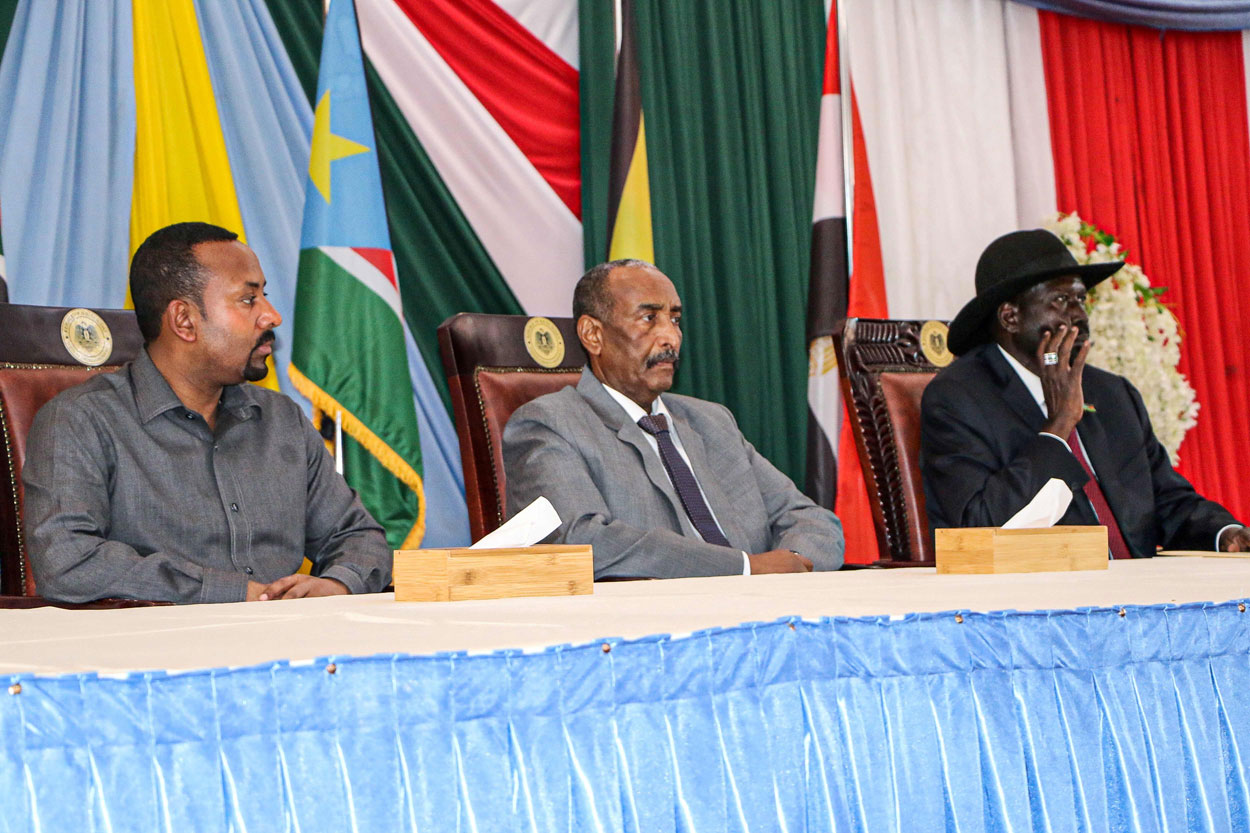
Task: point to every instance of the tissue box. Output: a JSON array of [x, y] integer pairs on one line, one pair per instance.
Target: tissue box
[[988, 549], [461, 574]]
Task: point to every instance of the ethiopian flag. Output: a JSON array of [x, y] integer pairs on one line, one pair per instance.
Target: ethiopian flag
[[348, 355]]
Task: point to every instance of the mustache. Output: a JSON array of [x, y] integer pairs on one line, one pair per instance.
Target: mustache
[[663, 356], [266, 338]]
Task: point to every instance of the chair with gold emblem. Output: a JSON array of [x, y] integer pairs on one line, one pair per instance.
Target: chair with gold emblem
[[494, 365], [884, 367], [43, 351]]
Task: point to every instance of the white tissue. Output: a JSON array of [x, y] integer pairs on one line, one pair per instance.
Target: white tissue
[[526, 528], [1045, 509]]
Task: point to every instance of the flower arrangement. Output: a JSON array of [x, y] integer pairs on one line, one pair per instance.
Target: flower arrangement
[[1135, 335]]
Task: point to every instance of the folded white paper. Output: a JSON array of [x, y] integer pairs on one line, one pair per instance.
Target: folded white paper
[[524, 529], [1045, 509]]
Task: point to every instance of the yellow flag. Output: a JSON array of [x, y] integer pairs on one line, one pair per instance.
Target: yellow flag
[[182, 169], [631, 235]]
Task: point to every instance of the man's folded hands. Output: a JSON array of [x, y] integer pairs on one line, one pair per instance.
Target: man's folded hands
[[297, 586]]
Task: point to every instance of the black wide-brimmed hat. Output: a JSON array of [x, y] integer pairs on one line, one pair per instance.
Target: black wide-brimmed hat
[[1010, 265]]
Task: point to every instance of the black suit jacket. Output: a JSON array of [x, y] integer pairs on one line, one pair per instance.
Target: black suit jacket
[[983, 459]]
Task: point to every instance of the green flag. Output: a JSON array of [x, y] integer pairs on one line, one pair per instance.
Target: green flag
[[348, 354]]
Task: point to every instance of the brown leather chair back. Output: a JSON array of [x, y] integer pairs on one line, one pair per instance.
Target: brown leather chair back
[[34, 367], [491, 372], [884, 371]]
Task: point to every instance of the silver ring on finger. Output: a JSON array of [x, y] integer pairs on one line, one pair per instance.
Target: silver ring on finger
[[1049, 359]]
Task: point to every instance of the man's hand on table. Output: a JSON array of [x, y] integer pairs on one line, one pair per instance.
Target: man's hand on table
[[296, 586], [1235, 540], [779, 561]]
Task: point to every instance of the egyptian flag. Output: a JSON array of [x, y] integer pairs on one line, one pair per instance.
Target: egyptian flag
[[827, 291], [629, 195], [348, 355], [839, 289]]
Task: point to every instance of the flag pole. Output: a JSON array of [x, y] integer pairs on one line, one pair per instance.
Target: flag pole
[[848, 132], [338, 442]]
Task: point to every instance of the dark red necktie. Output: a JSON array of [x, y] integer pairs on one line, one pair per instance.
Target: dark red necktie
[[1115, 541], [683, 480]]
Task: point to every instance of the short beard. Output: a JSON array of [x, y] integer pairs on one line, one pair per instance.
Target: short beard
[[252, 373]]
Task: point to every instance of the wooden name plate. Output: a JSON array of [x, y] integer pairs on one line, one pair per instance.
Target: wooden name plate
[[462, 574], [987, 549]]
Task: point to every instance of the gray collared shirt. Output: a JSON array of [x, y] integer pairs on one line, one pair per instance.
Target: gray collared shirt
[[128, 493]]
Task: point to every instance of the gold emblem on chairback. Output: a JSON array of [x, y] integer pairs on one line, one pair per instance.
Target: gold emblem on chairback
[[933, 344], [544, 342], [86, 337]]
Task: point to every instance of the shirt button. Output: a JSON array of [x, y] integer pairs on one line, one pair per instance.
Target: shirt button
[[247, 570], [190, 416], [234, 507]]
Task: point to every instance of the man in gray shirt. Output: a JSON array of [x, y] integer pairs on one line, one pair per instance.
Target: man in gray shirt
[[173, 480]]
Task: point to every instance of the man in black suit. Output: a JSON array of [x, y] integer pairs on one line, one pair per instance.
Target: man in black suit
[[1020, 407]]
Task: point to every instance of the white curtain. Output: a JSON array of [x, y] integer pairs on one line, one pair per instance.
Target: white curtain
[[953, 104]]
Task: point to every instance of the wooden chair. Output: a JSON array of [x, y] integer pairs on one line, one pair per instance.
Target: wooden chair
[[492, 370], [36, 365], [884, 367]]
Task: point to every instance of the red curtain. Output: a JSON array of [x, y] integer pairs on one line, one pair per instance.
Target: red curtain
[[1151, 143]]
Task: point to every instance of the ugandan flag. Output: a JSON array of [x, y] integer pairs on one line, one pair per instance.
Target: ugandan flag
[[348, 355]]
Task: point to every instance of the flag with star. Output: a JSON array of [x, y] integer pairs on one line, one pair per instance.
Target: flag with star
[[348, 355]]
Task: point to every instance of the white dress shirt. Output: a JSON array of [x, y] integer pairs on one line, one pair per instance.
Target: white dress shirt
[[635, 412]]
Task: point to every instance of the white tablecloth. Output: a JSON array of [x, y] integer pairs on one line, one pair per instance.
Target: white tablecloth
[[53, 641]]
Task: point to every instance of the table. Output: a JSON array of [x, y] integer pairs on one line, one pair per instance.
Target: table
[[875, 700]]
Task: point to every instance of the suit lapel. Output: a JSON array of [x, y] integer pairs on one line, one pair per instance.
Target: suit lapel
[[615, 418], [1018, 398], [1013, 391], [1097, 447]]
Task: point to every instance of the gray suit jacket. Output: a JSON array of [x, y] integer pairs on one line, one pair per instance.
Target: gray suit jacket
[[578, 448]]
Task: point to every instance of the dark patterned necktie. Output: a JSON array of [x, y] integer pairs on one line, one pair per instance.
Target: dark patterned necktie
[[1115, 541], [683, 480]]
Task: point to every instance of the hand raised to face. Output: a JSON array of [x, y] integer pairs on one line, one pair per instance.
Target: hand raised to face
[[1061, 365]]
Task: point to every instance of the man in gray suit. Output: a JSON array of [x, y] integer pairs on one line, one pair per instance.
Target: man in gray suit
[[660, 487]]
